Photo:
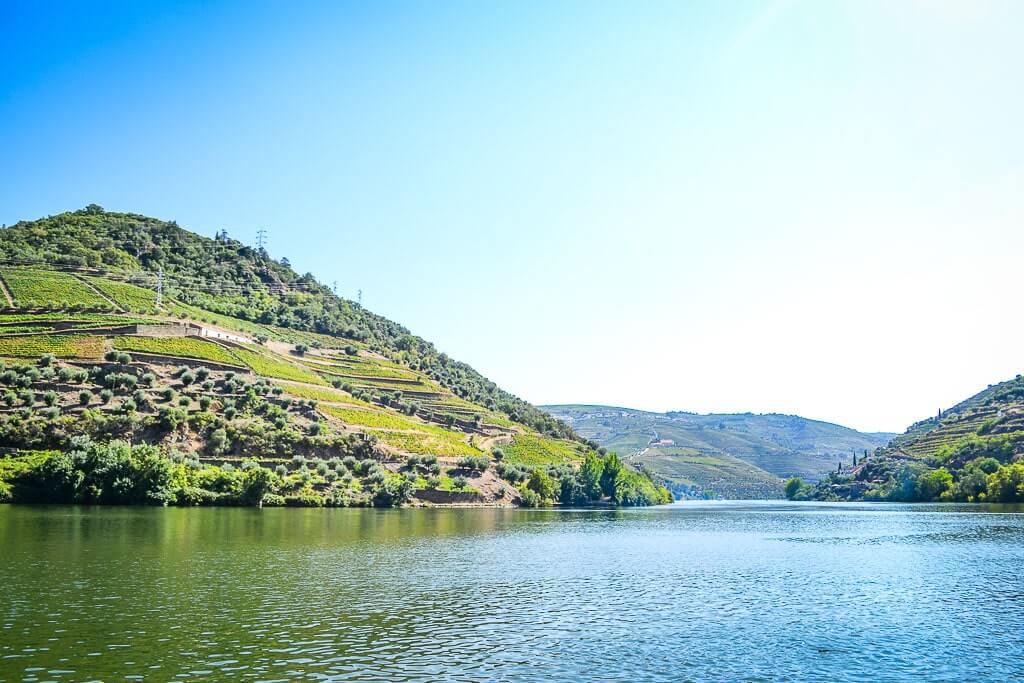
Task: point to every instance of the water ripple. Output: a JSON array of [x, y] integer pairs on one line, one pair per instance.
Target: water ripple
[[703, 593]]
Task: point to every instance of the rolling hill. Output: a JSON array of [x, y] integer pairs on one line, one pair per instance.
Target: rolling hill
[[140, 362], [731, 455], [971, 452]]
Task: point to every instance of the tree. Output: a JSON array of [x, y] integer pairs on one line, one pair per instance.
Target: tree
[[1006, 485], [218, 442], [256, 484], [793, 487], [542, 484], [612, 467], [934, 484], [590, 476]]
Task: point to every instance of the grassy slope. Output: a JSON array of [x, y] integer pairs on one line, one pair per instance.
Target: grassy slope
[[771, 446]]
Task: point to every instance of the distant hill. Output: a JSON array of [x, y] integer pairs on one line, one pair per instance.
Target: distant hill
[[737, 455], [971, 452], [143, 363]]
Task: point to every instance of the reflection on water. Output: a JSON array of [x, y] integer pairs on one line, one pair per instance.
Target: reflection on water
[[696, 591]]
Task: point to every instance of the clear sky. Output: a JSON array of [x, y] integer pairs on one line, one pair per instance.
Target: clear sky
[[803, 207]]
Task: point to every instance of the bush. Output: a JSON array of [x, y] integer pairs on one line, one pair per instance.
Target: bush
[[794, 485], [531, 499], [47, 360], [477, 463], [84, 397], [184, 401], [50, 398], [542, 484], [148, 379], [187, 378], [205, 402], [106, 395], [218, 443], [393, 492]]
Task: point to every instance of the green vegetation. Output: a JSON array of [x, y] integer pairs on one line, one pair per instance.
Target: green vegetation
[[66, 428], [244, 285], [698, 475], [23, 329], [363, 368], [267, 366], [973, 452], [739, 455], [182, 347], [49, 289], [64, 346], [533, 450], [123, 474], [75, 317], [446, 444], [366, 418], [128, 296], [598, 479]]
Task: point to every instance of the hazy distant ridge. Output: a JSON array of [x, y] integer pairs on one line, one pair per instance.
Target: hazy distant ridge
[[735, 454]]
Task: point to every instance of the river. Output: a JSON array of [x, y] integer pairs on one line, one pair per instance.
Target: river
[[693, 591]]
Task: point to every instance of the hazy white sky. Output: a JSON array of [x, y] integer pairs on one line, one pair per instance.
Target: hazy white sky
[[801, 207]]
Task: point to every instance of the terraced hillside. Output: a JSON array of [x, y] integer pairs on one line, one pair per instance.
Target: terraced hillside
[[337, 407], [974, 451], [743, 455], [692, 473]]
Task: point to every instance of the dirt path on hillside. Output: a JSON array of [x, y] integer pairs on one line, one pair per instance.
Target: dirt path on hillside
[[95, 290], [7, 294]]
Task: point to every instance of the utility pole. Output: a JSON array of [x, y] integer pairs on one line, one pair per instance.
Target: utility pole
[[261, 238], [160, 287]]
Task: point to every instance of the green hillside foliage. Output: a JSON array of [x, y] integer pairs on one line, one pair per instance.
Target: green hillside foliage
[[693, 474], [127, 296], [972, 452], [226, 277], [720, 455], [180, 347], [37, 288], [296, 398]]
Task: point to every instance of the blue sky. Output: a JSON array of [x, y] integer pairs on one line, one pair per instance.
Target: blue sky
[[801, 207]]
